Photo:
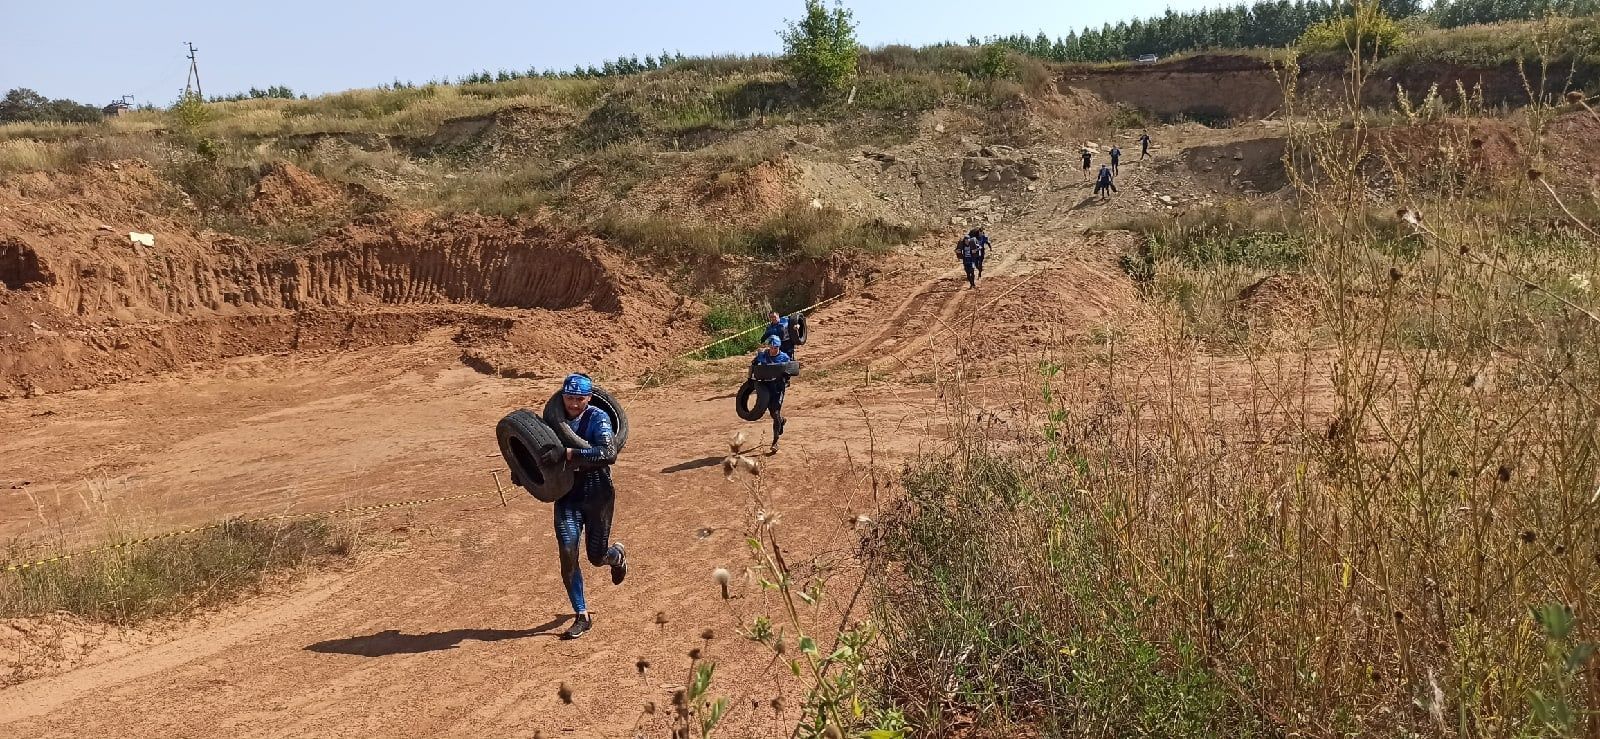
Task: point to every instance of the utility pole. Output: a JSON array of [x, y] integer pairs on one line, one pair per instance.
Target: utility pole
[[193, 80]]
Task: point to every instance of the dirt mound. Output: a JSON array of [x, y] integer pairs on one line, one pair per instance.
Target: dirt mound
[[995, 166], [516, 132], [1279, 308], [1443, 153], [289, 194], [1279, 294], [764, 188], [1574, 148], [1251, 166]]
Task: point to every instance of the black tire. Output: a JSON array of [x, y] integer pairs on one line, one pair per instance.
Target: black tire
[[742, 402], [797, 328], [523, 438], [555, 415], [770, 372]]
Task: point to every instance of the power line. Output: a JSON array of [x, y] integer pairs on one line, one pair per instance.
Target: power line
[[194, 74]]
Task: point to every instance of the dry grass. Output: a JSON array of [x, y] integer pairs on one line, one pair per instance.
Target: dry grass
[[795, 232], [1388, 531], [171, 576], [1566, 40], [29, 155]]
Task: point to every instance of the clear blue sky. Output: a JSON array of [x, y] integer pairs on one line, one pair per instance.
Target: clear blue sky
[[94, 50]]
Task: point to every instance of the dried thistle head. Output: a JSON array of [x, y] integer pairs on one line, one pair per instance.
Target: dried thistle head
[[1576, 96], [565, 693], [722, 578], [643, 665], [695, 654], [1535, 175], [649, 708], [736, 441], [750, 464], [708, 634], [777, 704], [729, 464], [832, 732], [1409, 215]]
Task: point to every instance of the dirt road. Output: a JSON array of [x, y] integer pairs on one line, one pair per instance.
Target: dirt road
[[447, 625]]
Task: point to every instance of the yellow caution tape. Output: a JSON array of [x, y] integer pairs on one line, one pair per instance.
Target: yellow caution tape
[[806, 309]]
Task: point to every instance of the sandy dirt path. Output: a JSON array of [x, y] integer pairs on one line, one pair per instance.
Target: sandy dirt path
[[448, 626]]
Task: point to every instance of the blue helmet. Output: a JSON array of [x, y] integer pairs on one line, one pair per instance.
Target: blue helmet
[[577, 384], [773, 341]]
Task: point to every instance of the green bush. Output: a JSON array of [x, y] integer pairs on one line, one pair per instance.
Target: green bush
[[821, 50], [190, 113], [995, 62], [1368, 29], [726, 317]]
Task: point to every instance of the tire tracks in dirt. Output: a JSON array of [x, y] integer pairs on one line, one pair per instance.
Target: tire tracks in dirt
[[37, 698], [908, 326]]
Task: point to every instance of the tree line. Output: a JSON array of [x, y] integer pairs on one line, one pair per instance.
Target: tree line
[[278, 92], [1265, 23], [818, 44], [22, 105]]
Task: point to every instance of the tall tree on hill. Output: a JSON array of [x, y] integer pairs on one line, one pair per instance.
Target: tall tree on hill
[[820, 49]]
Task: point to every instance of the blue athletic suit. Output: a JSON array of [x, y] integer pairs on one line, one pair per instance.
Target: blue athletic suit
[[775, 389], [972, 250], [590, 502]]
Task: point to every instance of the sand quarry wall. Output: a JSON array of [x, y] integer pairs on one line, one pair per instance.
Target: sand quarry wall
[[82, 304]]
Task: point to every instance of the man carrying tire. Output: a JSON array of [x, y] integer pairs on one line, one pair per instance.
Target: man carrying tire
[[772, 353], [972, 249], [590, 502], [783, 329]]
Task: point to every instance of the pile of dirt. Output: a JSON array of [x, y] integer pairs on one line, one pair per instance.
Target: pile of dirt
[[702, 192], [1280, 295], [1445, 153], [1250, 167], [1068, 297], [510, 134], [288, 194], [1574, 148], [763, 189], [998, 166]]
